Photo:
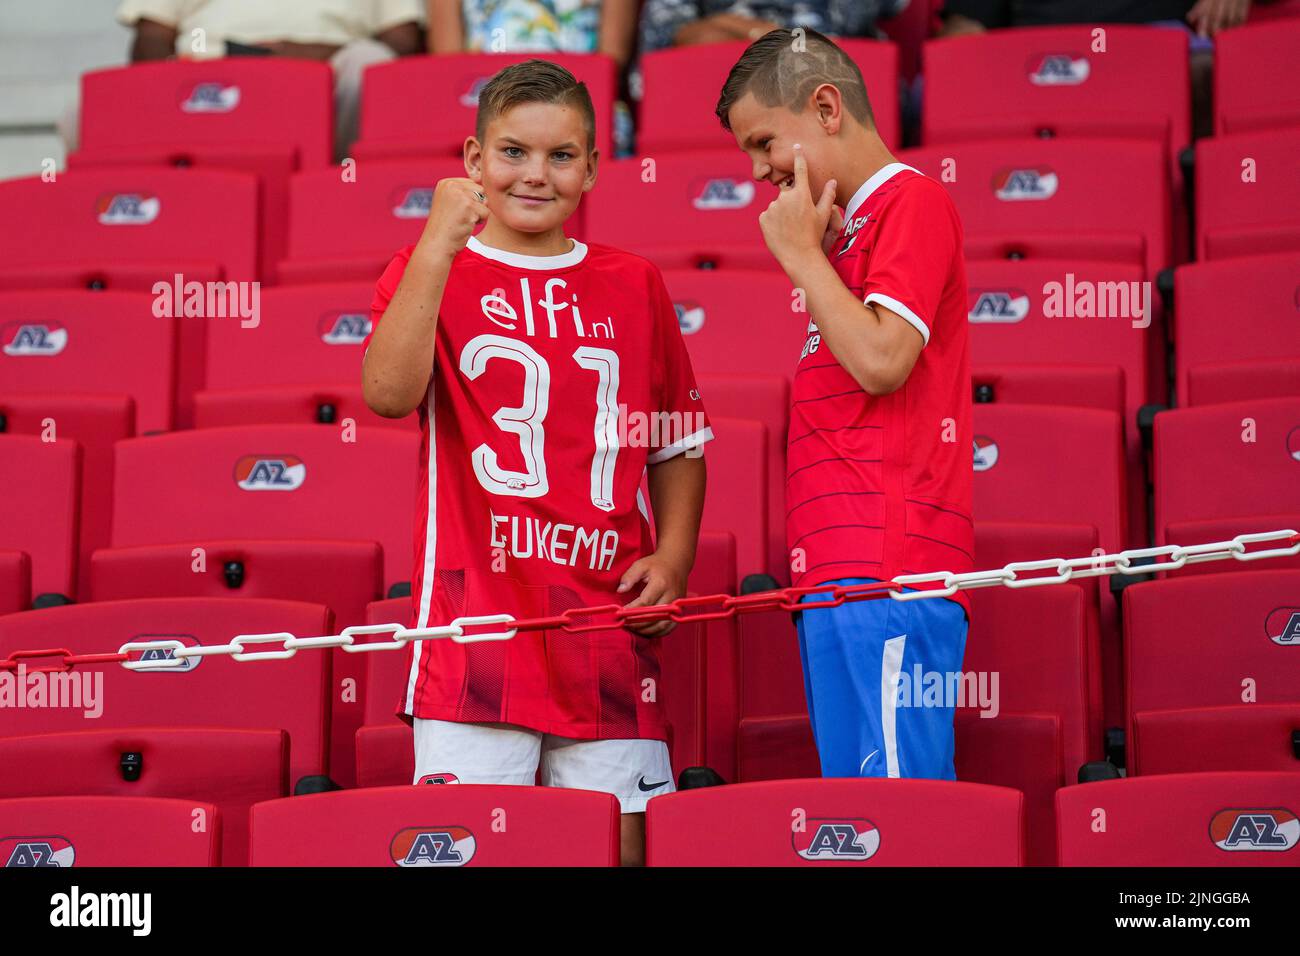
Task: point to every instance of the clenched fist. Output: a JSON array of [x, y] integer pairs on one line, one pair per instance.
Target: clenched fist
[[458, 206]]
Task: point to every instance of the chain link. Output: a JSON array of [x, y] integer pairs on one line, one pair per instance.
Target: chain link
[[713, 607]]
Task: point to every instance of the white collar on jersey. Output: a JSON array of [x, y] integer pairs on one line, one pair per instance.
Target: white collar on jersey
[[878, 179], [519, 261]]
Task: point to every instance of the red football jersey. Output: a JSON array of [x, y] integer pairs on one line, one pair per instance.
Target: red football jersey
[[881, 486], [555, 381]]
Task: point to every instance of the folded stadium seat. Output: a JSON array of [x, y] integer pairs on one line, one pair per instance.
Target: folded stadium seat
[[1261, 358], [15, 581], [736, 498], [231, 769], [269, 481], [269, 117], [1212, 644], [1248, 194], [137, 216], [447, 87], [999, 543], [348, 229], [1185, 819], [107, 275], [290, 695], [1020, 476], [1053, 81], [1030, 656], [293, 405], [1081, 386], [763, 398], [109, 831], [699, 207], [45, 477], [1250, 450], [454, 825], [693, 657], [682, 86], [94, 422], [1073, 313], [1248, 60], [1205, 531], [807, 822], [1081, 199], [306, 335], [59, 341]]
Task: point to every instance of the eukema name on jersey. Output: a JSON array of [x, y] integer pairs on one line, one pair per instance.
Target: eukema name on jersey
[[432, 846], [344, 328], [829, 840], [37, 851], [1017, 185], [1282, 626], [161, 655], [414, 203], [34, 338], [270, 473], [997, 306], [211, 98], [127, 209], [723, 193], [986, 453], [1059, 69], [690, 317], [1268, 830], [469, 99]]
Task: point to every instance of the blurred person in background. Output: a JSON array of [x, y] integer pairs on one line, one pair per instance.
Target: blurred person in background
[[348, 34], [666, 23]]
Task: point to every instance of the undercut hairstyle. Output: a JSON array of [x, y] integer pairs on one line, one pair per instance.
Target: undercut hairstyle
[[534, 81], [782, 68]]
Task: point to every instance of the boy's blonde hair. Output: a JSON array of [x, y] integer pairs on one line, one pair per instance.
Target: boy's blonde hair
[[534, 81]]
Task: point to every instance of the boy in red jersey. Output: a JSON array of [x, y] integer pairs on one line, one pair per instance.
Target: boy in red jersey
[[531, 358], [879, 451]]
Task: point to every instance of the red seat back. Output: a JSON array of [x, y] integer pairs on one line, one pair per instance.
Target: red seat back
[[1248, 194], [1250, 59], [46, 478]]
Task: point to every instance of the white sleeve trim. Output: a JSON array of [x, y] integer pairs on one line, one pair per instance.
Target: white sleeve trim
[[914, 320], [693, 440]]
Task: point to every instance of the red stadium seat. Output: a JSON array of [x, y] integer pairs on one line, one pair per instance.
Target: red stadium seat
[[1250, 61], [1053, 81], [1248, 194], [109, 831], [269, 117], [1081, 386], [384, 746], [230, 769], [1019, 475], [1261, 358], [136, 218], [736, 499], [450, 825], [293, 405], [446, 87], [763, 398], [291, 695], [1189, 819], [1205, 531], [187, 103], [269, 481], [307, 335], [45, 477], [741, 323], [1084, 199], [1250, 448], [106, 342], [811, 822], [15, 581], [680, 206], [106, 275], [682, 86], [94, 422], [348, 228], [1213, 641]]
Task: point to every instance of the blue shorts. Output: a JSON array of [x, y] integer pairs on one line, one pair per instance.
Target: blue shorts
[[865, 670]]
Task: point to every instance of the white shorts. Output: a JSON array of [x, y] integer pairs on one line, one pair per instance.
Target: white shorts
[[632, 770]]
